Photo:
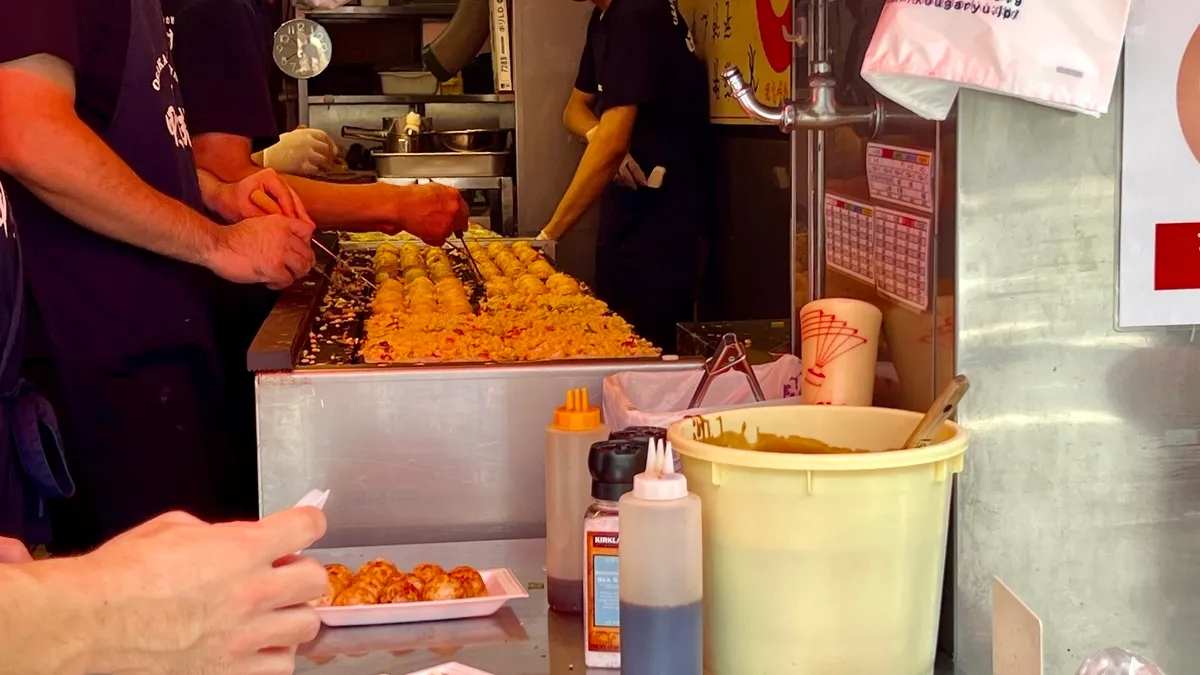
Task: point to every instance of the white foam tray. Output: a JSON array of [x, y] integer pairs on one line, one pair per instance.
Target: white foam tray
[[452, 668], [503, 586]]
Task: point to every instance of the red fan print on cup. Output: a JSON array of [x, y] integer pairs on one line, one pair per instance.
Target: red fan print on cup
[[831, 338]]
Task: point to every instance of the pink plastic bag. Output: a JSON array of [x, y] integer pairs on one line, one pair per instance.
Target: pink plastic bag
[[648, 399], [1060, 53]]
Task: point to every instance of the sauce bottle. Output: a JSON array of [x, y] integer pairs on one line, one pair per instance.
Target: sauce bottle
[[569, 438], [645, 435], [661, 572], [613, 465]]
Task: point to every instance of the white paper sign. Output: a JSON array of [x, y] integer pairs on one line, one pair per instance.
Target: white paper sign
[[1159, 280]]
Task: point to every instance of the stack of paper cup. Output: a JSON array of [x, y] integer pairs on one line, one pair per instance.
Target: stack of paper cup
[[839, 344]]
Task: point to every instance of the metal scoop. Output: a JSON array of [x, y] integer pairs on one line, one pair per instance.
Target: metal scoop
[[940, 411]]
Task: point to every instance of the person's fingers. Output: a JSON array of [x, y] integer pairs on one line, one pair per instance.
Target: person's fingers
[[13, 551], [284, 628], [291, 530], [295, 264], [301, 211], [291, 585], [300, 228], [274, 186]]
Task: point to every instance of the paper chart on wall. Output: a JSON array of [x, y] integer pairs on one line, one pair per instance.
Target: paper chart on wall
[[901, 175], [849, 234], [902, 256]]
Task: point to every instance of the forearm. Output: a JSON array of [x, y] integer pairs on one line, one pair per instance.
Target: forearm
[[54, 621], [579, 119], [596, 170], [73, 171], [352, 208]]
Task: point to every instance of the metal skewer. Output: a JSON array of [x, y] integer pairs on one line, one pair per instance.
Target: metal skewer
[[470, 257], [263, 201]]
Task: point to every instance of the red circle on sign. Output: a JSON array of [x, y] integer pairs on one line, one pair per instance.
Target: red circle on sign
[[1187, 94]]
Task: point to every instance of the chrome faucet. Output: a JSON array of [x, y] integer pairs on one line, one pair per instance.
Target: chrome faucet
[[822, 111]]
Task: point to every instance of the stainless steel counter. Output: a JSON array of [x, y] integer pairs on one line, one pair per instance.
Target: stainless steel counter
[[522, 639], [415, 455]]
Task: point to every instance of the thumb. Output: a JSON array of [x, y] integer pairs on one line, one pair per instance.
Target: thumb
[[13, 551]]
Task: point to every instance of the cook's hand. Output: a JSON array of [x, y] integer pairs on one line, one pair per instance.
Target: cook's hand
[[235, 203], [433, 212], [13, 551], [273, 250], [302, 152], [228, 598], [629, 174]]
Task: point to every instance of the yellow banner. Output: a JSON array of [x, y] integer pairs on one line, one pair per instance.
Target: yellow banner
[[750, 35]]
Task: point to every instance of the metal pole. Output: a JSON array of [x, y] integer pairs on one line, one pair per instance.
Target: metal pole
[[818, 51]]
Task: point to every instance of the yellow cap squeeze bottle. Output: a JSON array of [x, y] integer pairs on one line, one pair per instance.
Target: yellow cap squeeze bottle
[[575, 428]]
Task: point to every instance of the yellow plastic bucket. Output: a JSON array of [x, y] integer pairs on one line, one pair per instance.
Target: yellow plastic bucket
[[822, 564]]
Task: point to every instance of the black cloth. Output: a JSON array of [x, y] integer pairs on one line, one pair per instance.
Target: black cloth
[[32, 466], [641, 53], [222, 53], [133, 355], [222, 50], [88, 34]]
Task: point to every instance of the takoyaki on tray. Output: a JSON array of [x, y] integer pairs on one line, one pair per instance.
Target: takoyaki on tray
[[429, 307], [380, 593]]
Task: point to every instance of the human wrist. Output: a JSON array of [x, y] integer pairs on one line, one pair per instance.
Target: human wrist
[[92, 625]]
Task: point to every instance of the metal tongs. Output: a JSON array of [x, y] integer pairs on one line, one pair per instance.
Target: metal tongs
[[470, 257], [263, 201], [730, 355]]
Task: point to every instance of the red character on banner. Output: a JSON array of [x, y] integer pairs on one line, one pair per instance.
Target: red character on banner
[[1176, 256], [771, 31]]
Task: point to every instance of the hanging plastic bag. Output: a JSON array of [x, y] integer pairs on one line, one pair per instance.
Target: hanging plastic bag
[[1115, 661], [649, 399], [1060, 53]]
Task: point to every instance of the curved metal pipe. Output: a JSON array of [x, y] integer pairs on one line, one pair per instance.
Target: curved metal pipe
[[750, 103], [468, 30]]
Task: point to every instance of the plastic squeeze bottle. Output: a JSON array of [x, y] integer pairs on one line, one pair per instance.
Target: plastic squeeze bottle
[[613, 465], [569, 438], [645, 435], [662, 579]]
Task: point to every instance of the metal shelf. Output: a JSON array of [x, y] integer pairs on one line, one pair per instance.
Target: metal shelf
[[356, 13], [332, 99]]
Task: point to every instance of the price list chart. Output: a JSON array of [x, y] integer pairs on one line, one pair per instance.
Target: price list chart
[[902, 248], [902, 176], [849, 237]]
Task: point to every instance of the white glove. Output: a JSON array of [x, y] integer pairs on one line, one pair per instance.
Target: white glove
[[542, 236], [629, 174], [302, 152]]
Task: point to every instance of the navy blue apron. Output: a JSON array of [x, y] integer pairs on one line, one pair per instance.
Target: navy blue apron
[[32, 467], [144, 402], [646, 246]]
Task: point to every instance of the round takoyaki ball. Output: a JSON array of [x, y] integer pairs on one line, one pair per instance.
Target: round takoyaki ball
[[427, 571], [489, 271], [541, 269], [412, 579], [399, 590], [496, 248], [498, 286], [340, 578], [358, 594], [471, 581], [423, 309], [525, 254], [443, 587], [377, 568], [382, 274], [414, 273], [385, 257]]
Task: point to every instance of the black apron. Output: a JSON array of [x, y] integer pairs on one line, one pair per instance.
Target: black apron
[[32, 467], [130, 333], [648, 239]]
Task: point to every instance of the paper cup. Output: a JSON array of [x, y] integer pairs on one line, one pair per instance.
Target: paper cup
[[839, 345]]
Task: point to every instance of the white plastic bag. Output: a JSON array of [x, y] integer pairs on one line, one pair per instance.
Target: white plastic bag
[[1061, 53], [1116, 661], [642, 399]]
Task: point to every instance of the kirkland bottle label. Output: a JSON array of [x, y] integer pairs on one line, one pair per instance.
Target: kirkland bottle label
[[604, 601]]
